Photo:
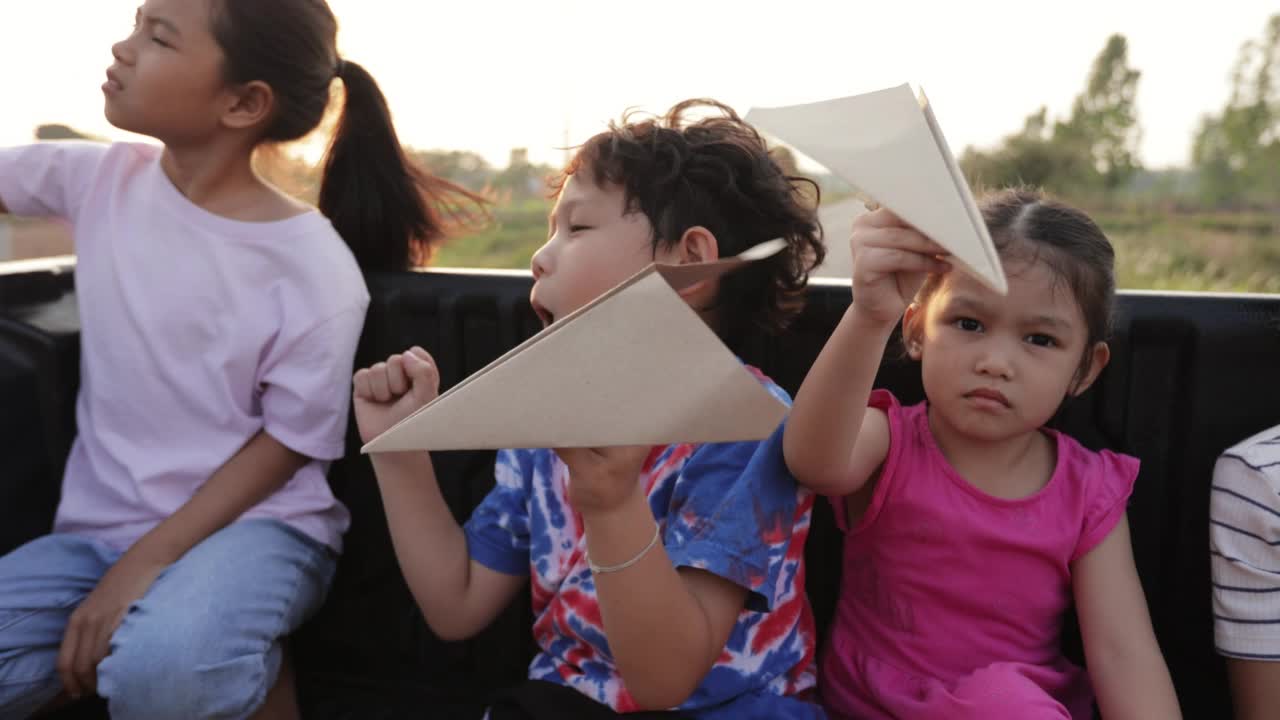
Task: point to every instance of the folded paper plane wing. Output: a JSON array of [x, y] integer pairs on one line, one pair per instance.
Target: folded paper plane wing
[[888, 143], [637, 366]]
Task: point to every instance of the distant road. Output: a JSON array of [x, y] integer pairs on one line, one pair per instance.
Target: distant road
[[34, 240], [837, 220]]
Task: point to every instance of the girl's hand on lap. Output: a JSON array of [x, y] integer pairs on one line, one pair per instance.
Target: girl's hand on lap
[[604, 479], [87, 639], [388, 392], [891, 260]]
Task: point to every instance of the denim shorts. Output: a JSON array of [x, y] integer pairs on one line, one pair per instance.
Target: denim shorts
[[203, 642]]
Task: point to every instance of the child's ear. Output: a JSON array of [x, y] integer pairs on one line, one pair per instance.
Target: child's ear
[[697, 245], [1099, 356], [248, 105], [911, 321]]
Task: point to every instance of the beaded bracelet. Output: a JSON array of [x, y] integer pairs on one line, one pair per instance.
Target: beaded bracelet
[[596, 569]]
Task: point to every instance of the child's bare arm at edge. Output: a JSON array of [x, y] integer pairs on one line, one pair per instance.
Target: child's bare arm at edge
[[666, 626], [1255, 688], [833, 443], [458, 596], [1128, 672]]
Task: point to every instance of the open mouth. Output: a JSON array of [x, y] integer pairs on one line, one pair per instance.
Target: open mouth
[[546, 316]]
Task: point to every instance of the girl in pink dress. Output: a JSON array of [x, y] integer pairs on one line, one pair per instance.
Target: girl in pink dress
[[969, 527]]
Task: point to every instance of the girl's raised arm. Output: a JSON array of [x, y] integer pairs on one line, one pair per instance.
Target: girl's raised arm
[[833, 442]]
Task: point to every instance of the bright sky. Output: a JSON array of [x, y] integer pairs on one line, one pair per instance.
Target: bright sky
[[489, 75]]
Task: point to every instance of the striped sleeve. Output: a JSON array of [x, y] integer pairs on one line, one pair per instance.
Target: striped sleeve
[[1244, 539]]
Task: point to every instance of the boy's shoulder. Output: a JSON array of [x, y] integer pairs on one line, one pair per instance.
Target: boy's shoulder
[[1262, 449], [774, 388], [1256, 455]]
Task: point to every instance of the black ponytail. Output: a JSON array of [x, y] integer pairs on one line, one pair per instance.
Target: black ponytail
[[391, 213]]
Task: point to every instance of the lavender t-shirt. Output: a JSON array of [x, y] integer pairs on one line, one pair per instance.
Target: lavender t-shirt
[[198, 332]]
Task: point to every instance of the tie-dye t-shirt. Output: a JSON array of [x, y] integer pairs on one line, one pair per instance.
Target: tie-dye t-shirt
[[730, 509]]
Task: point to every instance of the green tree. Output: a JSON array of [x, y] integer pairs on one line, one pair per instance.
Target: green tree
[[1026, 157], [58, 131], [522, 179], [463, 167], [1103, 127], [1237, 151], [1094, 150]]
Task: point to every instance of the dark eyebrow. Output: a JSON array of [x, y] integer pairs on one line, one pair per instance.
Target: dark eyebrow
[[964, 304], [1052, 321]]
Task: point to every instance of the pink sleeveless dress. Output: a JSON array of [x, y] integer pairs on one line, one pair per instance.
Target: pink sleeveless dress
[[952, 600]]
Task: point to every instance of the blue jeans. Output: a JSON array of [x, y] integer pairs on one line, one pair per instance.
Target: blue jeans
[[203, 642]]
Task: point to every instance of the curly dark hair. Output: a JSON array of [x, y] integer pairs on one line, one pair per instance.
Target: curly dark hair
[[715, 172]]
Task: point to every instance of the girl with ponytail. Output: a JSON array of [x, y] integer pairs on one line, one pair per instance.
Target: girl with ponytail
[[220, 319]]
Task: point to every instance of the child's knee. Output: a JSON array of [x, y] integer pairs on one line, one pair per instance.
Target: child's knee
[[173, 670]]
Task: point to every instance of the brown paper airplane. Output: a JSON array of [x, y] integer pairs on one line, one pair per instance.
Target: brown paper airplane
[[637, 366]]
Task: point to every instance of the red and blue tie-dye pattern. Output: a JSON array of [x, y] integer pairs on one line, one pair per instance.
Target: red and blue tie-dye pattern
[[727, 508]]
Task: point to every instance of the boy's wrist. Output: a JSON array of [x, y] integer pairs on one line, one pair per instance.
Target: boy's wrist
[[615, 535], [392, 466]]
